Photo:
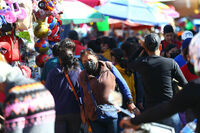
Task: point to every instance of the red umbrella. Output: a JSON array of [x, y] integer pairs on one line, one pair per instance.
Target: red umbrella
[[118, 24], [91, 3]]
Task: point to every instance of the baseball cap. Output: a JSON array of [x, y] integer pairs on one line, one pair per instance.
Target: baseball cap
[[186, 43], [194, 52], [186, 34]]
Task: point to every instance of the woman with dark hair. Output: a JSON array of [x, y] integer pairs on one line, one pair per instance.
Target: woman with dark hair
[[117, 58], [98, 78], [171, 51], [95, 46], [130, 48], [62, 82], [107, 44]]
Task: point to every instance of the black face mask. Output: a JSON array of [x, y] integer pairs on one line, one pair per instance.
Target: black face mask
[[173, 55], [91, 67]]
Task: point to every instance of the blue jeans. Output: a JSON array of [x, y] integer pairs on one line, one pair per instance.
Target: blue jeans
[[104, 126], [173, 121]]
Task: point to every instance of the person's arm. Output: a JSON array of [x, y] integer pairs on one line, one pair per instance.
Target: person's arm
[[186, 98], [139, 90], [124, 89], [122, 85], [178, 75]]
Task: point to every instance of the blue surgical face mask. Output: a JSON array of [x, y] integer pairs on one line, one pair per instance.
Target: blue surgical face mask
[[192, 61]]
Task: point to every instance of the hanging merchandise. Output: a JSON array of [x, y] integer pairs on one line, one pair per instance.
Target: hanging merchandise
[[47, 30], [41, 30], [54, 29], [47, 4], [13, 11], [2, 21], [42, 46], [41, 59], [4, 26], [9, 48], [25, 35], [26, 23]]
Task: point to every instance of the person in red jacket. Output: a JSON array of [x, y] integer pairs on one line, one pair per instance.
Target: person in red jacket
[[73, 35], [187, 69], [169, 38]]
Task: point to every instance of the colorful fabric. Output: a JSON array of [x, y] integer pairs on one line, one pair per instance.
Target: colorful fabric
[[106, 54], [129, 80], [29, 108]]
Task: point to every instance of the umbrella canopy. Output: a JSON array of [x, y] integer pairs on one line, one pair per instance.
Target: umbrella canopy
[[78, 12], [120, 24], [133, 10], [164, 9]]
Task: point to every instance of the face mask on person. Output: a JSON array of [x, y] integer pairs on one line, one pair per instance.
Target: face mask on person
[[90, 67]]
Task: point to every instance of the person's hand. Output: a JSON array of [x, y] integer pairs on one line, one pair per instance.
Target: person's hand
[[132, 108], [140, 106], [126, 123]]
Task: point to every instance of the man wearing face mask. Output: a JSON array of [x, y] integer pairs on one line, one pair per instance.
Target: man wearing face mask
[[67, 105], [187, 98]]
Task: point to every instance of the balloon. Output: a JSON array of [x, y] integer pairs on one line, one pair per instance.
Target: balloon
[[42, 46]]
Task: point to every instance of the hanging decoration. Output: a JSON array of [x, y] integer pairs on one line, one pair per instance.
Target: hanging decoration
[[48, 28]]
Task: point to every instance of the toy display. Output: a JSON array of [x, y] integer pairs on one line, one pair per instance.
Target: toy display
[[2, 21], [13, 12], [47, 4], [41, 46], [54, 29], [41, 59], [41, 30]]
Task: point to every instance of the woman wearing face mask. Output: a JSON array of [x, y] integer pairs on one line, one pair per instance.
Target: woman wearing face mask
[[187, 98], [99, 77], [171, 51], [59, 82]]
